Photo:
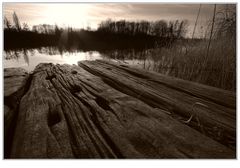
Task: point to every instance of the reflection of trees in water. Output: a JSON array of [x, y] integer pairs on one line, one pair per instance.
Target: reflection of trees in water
[[49, 51], [155, 59], [127, 54], [16, 54], [11, 55], [25, 56], [26, 53], [150, 59]]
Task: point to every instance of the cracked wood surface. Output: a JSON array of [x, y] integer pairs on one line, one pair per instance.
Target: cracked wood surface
[[213, 108], [15, 82], [103, 110]]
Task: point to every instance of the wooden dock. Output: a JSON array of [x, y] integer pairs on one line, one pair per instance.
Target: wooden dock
[[102, 109]]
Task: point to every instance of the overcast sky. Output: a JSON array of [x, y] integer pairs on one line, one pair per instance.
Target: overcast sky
[[81, 15]]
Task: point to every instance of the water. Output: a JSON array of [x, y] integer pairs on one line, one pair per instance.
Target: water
[[30, 58]]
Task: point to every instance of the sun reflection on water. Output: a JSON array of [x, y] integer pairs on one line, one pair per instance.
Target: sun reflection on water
[[29, 59]]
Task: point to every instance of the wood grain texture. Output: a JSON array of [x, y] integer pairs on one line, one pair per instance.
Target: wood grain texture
[[182, 98], [15, 83], [99, 110]]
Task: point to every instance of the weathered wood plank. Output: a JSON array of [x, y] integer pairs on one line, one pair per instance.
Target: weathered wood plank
[[217, 120], [220, 96], [15, 82], [75, 114]]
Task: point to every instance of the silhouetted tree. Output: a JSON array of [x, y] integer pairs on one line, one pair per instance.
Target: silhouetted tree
[[110, 34], [16, 21], [25, 27], [7, 24], [58, 31], [159, 28]]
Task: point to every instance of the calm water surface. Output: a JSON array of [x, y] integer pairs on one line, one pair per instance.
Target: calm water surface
[[29, 59], [148, 59]]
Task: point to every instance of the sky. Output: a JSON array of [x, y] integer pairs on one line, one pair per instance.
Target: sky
[[81, 15]]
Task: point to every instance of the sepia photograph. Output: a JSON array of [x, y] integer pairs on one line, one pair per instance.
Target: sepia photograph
[[111, 80]]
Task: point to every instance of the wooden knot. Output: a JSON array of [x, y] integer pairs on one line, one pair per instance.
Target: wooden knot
[[74, 72], [50, 77]]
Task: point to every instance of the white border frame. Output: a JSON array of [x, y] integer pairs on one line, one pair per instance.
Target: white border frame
[[135, 163]]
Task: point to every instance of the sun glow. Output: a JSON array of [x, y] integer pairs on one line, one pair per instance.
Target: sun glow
[[71, 14], [73, 58], [83, 15]]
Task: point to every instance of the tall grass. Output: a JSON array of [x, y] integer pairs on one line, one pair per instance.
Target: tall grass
[[197, 61], [187, 61]]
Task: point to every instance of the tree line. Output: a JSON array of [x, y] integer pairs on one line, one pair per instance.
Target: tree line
[[160, 28], [109, 35]]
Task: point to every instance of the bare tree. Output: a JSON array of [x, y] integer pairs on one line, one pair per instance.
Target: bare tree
[[181, 29], [196, 21], [25, 27], [211, 33], [209, 42], [7, 24], [16, 22], [160, 28], [226, 22]]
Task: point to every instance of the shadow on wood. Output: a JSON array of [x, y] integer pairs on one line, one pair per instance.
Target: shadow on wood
[[104, 110]]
